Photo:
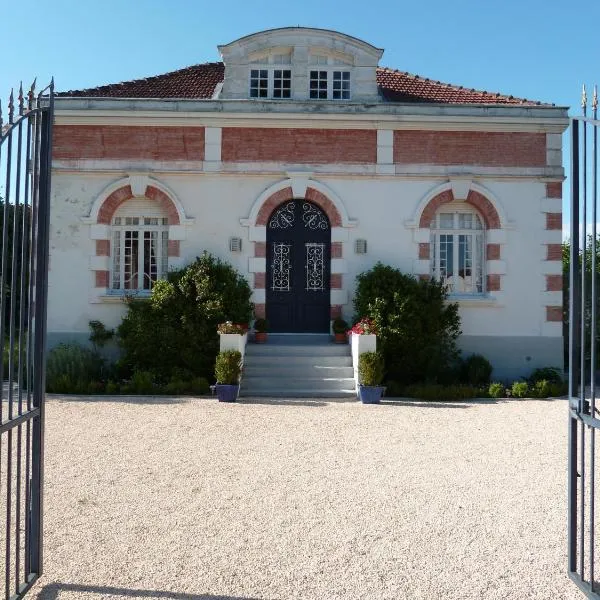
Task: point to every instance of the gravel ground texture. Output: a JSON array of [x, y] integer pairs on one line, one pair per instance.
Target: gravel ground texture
[[261, 499]]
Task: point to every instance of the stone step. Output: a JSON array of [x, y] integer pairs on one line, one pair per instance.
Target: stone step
[[291, 383], [297, 350], [308, 369], [280, 362], [300, 393]]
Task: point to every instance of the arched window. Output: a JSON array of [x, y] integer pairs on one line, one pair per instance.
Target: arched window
[[139, 245], [457, 249]]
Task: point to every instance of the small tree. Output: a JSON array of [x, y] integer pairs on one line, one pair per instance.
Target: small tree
[[176, 329], [418, 327]]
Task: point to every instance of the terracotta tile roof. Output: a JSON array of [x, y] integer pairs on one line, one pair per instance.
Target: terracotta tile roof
[[200, 81], [195, 82], [398, 86]]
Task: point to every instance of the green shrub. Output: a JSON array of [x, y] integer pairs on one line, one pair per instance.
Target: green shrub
[[476, 370], [177, 327], [435, 391], [540, 389], [142, 382], [550, 374], [558, 389], [99, 334], [418, 327], [394, 389], [112, 388], [370, 368], [496, 390], [228, 367], [70, 369], [519, 389]]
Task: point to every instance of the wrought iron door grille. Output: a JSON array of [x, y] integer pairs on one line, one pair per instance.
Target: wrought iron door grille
[[25, 155]]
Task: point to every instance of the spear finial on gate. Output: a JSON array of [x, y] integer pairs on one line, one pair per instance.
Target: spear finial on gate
[[11, 107], [31, 95], [595, 100], [583, 99], [21, 99]]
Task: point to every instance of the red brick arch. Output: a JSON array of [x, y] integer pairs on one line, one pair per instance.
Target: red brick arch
[[321, 200], [110, 205], [475, 199], [107, 211]]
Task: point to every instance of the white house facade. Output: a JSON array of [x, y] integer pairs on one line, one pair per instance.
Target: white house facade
[[302, 162]]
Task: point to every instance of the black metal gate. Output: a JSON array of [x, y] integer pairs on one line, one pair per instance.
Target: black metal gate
[[25, 164]]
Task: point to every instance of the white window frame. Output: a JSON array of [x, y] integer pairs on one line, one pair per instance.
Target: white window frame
[[121, 225], [330, 65], [478, 258], [277, 61]]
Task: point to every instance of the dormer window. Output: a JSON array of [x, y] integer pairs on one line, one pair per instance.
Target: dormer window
[[329, 85], [267, 77], [329, 81]]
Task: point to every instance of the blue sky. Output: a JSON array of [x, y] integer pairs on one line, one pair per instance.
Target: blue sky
[[539, 49]]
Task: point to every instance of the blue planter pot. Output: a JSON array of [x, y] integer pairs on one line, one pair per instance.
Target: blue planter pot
[[227, 393], [370, 394]]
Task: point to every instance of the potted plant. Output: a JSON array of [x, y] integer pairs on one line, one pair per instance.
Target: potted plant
[[228, 368], [232, 336], [370, 376], [261, 326], [340, 327]]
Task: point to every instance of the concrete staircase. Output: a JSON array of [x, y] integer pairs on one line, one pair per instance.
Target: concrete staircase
[[298, 366]]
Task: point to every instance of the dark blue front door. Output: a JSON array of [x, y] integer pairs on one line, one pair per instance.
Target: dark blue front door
[[298, 268]]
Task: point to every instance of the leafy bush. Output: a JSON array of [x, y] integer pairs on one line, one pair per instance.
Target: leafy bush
[[418, 327], [394, 389], [142, 383], [228, 367], [180, 387], [550, 374], [99, 334], [519, 389], [177, 327], [370, 368], [443, 392], [496, 390], [476, 370], [70, 368], [540, 389], [558, 389]]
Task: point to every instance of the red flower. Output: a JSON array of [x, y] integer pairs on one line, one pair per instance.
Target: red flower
[[365, 326]]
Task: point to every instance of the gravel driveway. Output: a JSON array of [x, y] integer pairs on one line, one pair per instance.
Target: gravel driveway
[[160, 498]]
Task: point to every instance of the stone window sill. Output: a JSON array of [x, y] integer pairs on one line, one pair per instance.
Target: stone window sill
[[475, 300]]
